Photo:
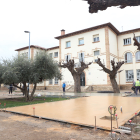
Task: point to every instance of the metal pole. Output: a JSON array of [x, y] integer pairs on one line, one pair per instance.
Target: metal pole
[[29, 59], [136, 117], [111, 122]]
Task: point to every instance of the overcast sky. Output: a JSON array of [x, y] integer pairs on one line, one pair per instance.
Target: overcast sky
[[45, 18]]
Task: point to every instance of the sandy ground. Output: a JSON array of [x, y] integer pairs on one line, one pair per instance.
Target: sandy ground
[[18, 127]]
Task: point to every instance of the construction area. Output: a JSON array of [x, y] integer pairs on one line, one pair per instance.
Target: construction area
[[88, 114]]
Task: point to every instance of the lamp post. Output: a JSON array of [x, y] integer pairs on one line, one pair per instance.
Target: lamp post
[[28, 52]]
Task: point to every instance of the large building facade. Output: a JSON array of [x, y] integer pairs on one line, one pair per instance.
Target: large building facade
[[104, 42]]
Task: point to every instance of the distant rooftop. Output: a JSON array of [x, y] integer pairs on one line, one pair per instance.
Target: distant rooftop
[[32, 46], [52, 48]]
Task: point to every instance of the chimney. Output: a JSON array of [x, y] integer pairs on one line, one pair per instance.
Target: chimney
[[62, 32]]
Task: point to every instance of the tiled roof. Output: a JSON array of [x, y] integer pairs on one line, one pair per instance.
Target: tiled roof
[[98, 27], [89, 29], [32, 46], [52, 48]]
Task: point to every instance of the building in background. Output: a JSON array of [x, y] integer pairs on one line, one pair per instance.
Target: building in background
[[103, 41]]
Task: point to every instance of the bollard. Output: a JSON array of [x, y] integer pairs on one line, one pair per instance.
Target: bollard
[[95, 122], [131, 126], [116, 120], [136, 117], [0, 106], [34, 111], [121, 109], [111, 120]]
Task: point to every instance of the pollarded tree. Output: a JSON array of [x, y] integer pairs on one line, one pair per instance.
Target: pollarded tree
[[96, 5], [112, 73], [75, 72], [21, 70], [136, 43]]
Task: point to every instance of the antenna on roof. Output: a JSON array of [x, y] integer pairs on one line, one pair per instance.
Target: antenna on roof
[[122, 28]]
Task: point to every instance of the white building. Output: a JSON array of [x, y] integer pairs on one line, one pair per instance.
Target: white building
[[103, 41]]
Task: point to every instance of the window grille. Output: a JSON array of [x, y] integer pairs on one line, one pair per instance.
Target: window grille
[[129, 75], [127, 41]]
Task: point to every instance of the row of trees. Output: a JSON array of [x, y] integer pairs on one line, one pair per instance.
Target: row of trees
[[20, 71]]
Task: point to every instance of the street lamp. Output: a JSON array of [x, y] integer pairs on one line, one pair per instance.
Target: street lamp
[[28, 52], [29, 44]]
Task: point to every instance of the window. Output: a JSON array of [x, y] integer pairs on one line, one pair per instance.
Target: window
[[50, 81], [129, 75], [81, 57], [25, 54], [127, 41], [56, 54], [81, 41], [95, 38], [68, 44], [128, 57], [95, 60], [96, 53], [51, 55], [56, 81], [138, 38], [138, 56], [67, 57], [138, 74]]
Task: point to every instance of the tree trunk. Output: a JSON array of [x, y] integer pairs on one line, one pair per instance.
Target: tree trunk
[[115, 85], [31, 97], [77, 86]]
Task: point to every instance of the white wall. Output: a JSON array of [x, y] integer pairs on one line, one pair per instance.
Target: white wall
[[127, 48], [93, 75]]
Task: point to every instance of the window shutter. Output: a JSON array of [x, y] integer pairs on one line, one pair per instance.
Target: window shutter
[[65, 58], [83, 57], [129, 40], [126, 57], [80, 57], [69, 57]]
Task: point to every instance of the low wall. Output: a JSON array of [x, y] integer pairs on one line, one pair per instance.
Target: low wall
[[126, 87], [48, 88], [102, 88]]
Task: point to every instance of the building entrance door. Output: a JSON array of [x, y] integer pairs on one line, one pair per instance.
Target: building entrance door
[[82, 79]]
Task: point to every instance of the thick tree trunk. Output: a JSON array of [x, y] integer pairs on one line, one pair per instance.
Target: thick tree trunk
[[115, 85], [31, 97], [77, 86]]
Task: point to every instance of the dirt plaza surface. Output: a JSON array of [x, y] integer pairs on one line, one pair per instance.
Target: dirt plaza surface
[[83, 110]]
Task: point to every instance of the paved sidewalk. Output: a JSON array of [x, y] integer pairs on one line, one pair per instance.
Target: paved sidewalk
[[5, 94]]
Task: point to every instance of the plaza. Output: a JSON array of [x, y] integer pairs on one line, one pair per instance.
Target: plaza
[[82, 110]]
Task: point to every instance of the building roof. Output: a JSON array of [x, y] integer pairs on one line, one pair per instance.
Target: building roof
[[52, 48], [129, 31], [98, 27], [32, 46], [89, 29]]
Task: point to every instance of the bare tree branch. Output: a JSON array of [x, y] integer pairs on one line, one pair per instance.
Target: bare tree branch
[[136, 43], [96, 5], [104, 68], [75, 71], [17, 86]]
